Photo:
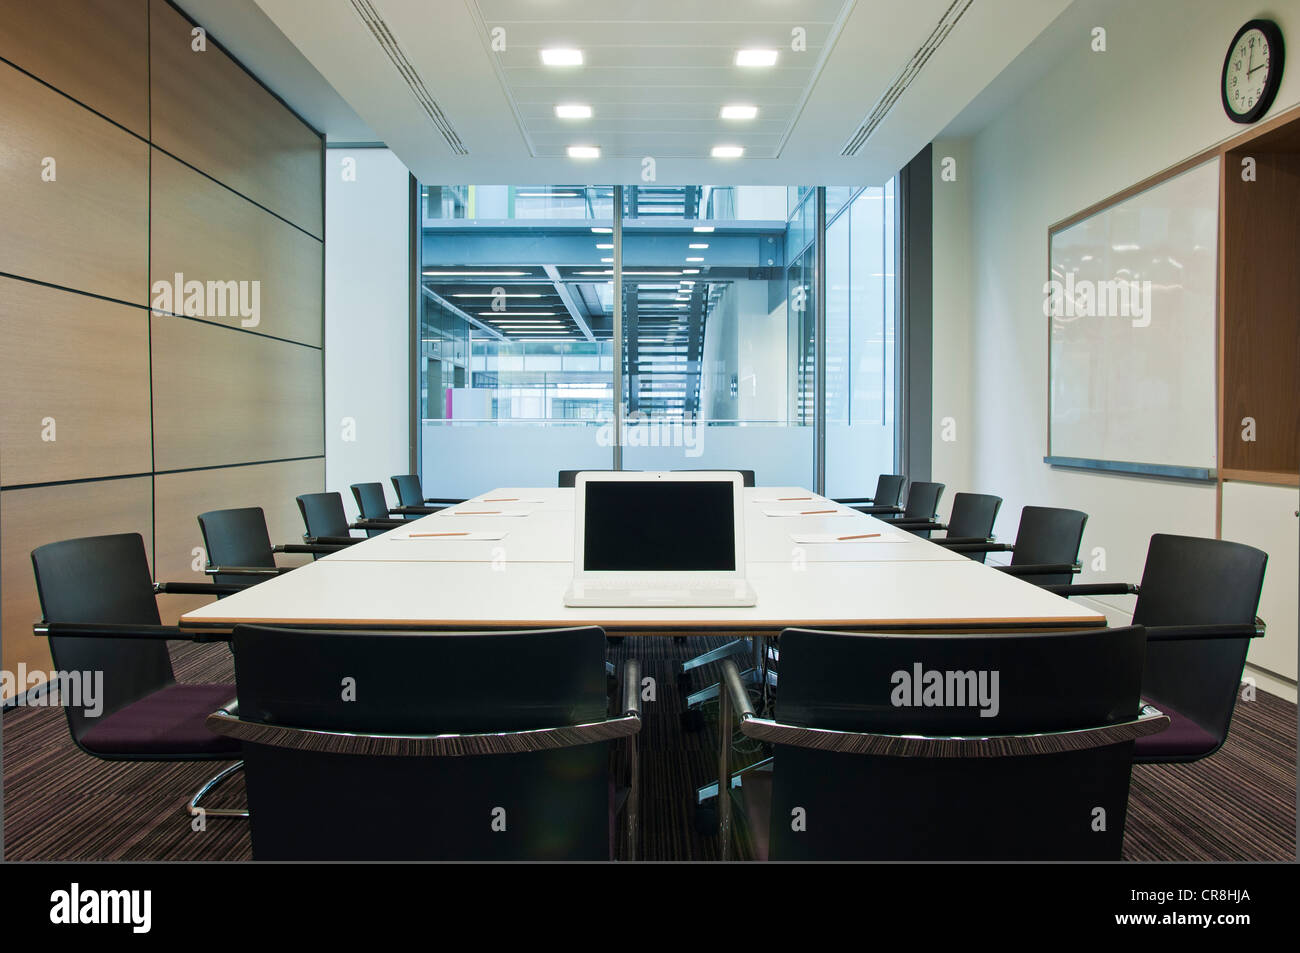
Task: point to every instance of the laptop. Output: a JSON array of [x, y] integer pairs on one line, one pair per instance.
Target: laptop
[[659, 539]]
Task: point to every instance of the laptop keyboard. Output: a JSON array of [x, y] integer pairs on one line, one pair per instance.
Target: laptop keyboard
[[633, 582]]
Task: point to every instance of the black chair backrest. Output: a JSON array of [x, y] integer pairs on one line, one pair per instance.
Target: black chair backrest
[[408, 489], [973, 515], [322, 514], [746, 476], [371, 503], [569, 478], [1048, 536], [879, 807], [555, 803], [236, 537], [923, 500], [1192, 581], [102, 579], [889, 490]]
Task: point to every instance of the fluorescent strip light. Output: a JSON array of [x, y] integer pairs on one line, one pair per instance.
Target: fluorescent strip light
[[516, 314], [584, 152], [572, 111], [698, 245], [507, 294], [739, 112], [703, 229], [603, 246], [601, 230], [690, 271], [546, 195], [606, 261], [562, 57], [755, 57], [477, 274], [727, 152], [695, 259]]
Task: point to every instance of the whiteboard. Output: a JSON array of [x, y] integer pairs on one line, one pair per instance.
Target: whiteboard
[[1130, 300]]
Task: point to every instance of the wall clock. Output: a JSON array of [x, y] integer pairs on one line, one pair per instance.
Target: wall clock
[[1252, 71]]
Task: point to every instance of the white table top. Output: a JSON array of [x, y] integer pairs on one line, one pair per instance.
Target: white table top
[[899, 581]]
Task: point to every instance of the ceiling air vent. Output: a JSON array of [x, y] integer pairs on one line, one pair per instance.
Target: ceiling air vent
[[906, 75], [384, 37]]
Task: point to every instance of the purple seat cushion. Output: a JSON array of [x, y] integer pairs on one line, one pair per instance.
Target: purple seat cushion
[[168, 722], [1181, 739]]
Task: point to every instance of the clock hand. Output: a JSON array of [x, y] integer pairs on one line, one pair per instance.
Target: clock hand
[[1260, 66]]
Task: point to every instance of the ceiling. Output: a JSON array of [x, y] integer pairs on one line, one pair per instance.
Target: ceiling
[[458, 91]]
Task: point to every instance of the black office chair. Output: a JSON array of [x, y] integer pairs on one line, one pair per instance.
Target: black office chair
[[1023, 751], [325, 521], [889, 494], [746, 476], [569, 478], [411, 499], [971, 521], [239, 550], [98, 610], [1197, 600], [373, 507], [922, 504], [386, 745], [1046, 550]]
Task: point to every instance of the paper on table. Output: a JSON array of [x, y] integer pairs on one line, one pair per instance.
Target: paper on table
[[485, 512], [504, 499], [789, 499], [811, 511], [452, 537], [832, 538]]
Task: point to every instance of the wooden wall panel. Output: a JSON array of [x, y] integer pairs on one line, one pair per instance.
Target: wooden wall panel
[[38, 515], [208, 233], [89, 228], [96, 51], [210, 113], [180, 497], [1261, 316], [222, 397], [84, 362]]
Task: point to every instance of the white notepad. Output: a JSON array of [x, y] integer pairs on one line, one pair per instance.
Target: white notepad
[[811, 511], [451, 536], [837, 538]]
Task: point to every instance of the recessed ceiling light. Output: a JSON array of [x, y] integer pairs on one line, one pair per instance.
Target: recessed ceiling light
[[516, 314], [702, 229], [699, 245], [728, 152], [584, 152], [690, 271], [573, 111], [695, 259], [476, 274], [606, 261], [753, 57], [604, 246], [566, 57], [739, 112], [601, 229], [504, 294]]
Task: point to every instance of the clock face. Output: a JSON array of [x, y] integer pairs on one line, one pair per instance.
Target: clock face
[[1252, 71]]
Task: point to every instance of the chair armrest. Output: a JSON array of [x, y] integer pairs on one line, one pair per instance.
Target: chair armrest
[[194, 589], [985, 547], [914, 521], [854, 499], [1038, 569], [879, 510], [334, 541], [307, 548], [1183, 633], [443, 499], [417, 510], [955, 541], [1094, 589], [82, 630], [376, 524], [263, 571]]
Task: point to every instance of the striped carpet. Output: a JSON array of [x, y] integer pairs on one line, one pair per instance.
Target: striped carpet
[[61, 804]]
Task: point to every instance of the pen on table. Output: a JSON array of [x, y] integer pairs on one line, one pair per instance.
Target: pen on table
[[784, 499], [414, 535], [859, 536], [815, 512], [500, 499], [475, 512]]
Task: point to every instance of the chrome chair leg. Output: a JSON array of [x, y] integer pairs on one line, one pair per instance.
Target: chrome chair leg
[[208, 787]]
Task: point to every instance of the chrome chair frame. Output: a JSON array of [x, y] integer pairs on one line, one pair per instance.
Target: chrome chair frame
[[1149, 721], [226, 721]]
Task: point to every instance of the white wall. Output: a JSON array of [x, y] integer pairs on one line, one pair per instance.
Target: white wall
[[1093, 125], [367, 314]]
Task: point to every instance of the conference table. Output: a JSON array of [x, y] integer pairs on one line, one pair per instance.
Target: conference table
[[509, 558]]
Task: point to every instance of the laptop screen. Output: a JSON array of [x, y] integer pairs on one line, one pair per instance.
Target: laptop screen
[[659, 526]]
